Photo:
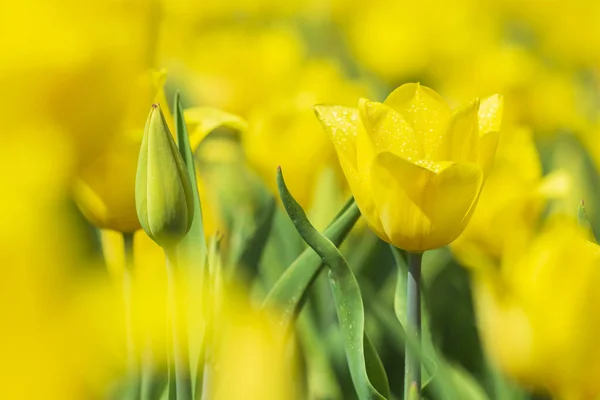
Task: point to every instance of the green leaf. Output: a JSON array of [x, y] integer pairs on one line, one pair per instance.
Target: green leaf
[[289, 291], [192, 249], [584, 221], [348, 300], [375, 368], [320, 376], [252, 247]]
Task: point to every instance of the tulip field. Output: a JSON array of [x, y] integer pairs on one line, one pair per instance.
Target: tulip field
[[303, 199]]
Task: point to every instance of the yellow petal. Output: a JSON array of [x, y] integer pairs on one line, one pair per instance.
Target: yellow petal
[[203, 120], [490, 114], [555, 185], [460, 143], [341, 125], [424, 109], [90, 203], [423, 207], [389, 131], [355, 153], [487, 151]]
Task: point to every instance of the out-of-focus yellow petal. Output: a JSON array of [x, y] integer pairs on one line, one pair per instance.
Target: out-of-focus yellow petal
[[203, 120], [424, 206], [490, 114], [505, 329], [104, 188], [554, 334], [355, 153], [389, 131], [461, 141], [555, 185], [424, 109]]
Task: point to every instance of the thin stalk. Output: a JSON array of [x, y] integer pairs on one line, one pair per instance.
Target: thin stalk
[[412, 365], [132, 361], [178, 331], [149, 372]]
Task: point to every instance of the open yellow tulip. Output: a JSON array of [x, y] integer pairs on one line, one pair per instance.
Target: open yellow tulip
[[415, 167]]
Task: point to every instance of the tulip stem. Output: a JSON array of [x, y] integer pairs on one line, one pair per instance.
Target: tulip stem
[[412, 364], [132, 362], [178, 331]]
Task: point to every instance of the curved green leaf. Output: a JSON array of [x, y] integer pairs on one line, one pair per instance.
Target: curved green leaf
[[192, 248], [347, 298], [287, 294]]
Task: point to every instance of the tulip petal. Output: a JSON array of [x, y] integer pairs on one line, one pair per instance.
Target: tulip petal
[[341, 125], [424, 206], [388, 130], [204, 120], [490, 120], [490, 114], [487, 151], [355, 153], [424, 109], [460, 143]]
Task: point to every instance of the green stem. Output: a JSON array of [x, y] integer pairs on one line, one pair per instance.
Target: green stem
[[149, 371], [132, 361], [178, 331], [412, 365]]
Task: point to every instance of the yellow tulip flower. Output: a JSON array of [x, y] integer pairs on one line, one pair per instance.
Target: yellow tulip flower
[[539, 314], [70, 65], [415, 167], [513, 198], [105, 186]]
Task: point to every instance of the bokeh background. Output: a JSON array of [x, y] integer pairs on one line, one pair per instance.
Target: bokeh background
[[77, 80]]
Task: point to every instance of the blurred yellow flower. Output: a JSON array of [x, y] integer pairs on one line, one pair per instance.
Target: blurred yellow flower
[[415, 167], [60, 321], [235, 67], [404, 39], [105, 187], [565, 31], [539, 313], [512, 199], [284, 131], [72, 63], [544, 96], [253, 348]]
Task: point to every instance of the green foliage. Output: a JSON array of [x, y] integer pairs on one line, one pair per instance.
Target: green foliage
[[347, 296]]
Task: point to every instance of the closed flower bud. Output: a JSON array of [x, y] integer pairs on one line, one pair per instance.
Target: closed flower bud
[[163, 192]]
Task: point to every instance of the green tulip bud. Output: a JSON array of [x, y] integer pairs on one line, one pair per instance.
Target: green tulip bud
[[163, 192]]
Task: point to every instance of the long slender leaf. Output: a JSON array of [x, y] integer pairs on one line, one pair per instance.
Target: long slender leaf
[[290, 289], [348, 300], [192, 249], [253, 246]]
